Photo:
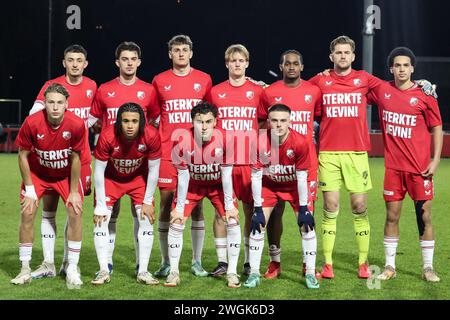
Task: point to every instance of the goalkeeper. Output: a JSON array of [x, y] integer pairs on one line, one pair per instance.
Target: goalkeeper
[[280, 173]]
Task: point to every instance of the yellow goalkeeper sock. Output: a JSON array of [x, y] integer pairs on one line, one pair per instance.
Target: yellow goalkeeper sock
[[362, 232], [329, 234]]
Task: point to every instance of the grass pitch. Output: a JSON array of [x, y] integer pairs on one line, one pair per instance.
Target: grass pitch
[[291, 285]]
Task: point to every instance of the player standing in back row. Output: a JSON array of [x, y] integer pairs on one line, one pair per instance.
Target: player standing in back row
[[179, 90]]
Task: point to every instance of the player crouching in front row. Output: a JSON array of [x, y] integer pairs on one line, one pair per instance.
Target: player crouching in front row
[[50, 142], [280, 173], [127, 162], [200, 157]]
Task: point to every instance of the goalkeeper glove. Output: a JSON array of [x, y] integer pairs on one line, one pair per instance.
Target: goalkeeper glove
[[258, 220], [305, 218], [427, 87]]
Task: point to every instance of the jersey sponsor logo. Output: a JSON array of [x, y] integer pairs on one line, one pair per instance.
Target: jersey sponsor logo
[[141, 147], [357, 82], [140, 95], [40, 136], [222, 95], [249, 95], [164, 180], [82, 113], [413, 101], [328, 83], [116, 149], [197, 87], [205, 172], [290, 153], [282, 173], [111, 94], [66, 135], [387, 96], [126, 166], [89, 93], [54, 159], [278, 99], [267, 153], [388, 192], [168, 88], [308, 98], [191, 153], [396, 124]]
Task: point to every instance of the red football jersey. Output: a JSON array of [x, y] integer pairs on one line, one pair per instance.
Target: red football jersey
[[343, 112], [51, 148], [238, 115], [127, 159], [79, 102], [177, 95], [303, 100], [280, 163], [202, 160], [407, 117], [111, 95]]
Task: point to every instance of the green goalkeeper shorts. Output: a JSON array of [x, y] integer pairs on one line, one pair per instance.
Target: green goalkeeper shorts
[[350, 168]]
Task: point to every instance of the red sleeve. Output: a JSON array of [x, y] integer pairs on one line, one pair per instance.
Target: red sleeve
[[373, 81], [208, 85], [97, 105], [315, 80], [102, 149], [208, 97], [77, 141], [432, 113], [263, 107], [318, 104], [153, 143], [24, 138], [302, 156], [153, 109]]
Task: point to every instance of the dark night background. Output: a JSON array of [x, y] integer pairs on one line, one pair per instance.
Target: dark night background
[[265, 27]]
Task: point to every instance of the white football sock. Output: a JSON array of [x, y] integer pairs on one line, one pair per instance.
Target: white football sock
[[221, 249], [74, 254], [48, 235], [163, 231], [256, 246], [309, 246], [112, 238], [246, 249], [175, 241], [197, 238], [25, 250], [135, 235], [427, 247], [101, 243], [233, 245], [145, 235], [390, 250]]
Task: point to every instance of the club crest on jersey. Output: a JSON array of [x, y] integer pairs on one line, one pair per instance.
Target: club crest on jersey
[[387, 96], [357, 82], [249, 95], [40, 136], [89, 93], [66, 135], [221, 95], [328, 83], [141, 147], [308, 98], [290, 153], [111, 94], [197, 87], [218, 152], [167, 88], [278, 99], [140, 95], [413, 101]]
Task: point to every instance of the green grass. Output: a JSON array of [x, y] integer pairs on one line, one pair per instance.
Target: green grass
[[346, 285]]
